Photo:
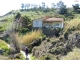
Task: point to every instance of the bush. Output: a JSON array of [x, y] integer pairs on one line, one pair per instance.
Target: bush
[[43, 37], [57, 31], [72, 25], [4, 46], [56, 51], [47, 57], [61, 38], [32, 57], [78, 27], [23, 30], [74, 55], [22, 56], [2, 29], [66, 35]]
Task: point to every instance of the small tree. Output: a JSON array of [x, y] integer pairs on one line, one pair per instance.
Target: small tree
[[26, 22], [53, 5], [12, 33], [60, 4], [43, 5], [62, 8], [27, 6], [17, 21], [18, 16], [76, 8], [22, 6]]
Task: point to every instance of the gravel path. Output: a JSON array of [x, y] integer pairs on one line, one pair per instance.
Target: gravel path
[[28, 57]]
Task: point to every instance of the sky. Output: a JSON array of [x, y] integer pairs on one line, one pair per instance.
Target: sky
[[8, 5]]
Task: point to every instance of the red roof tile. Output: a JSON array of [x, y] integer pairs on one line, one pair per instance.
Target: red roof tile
[[54, 19]]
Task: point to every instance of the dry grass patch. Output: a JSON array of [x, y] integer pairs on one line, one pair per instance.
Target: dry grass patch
[[72, 23], [29, 37]]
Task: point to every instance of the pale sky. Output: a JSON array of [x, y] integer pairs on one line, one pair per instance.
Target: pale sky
[[8, 5]]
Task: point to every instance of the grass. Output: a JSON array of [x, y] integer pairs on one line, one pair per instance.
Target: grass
[[30, 37], [4, 46], [32, 57], [72, 23], [6, 24], [74, 55], [22, 56]]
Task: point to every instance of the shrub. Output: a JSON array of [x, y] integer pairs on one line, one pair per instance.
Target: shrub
[[43, 36], [2, 29], [15, 40], [56, 51], [32, 57], [24, 30], [30, 37], [74, 55], [47, 57], [72, 24], [78, 27], [57, 31], [4, 46], [66, 35], [22, 56], [61, 38]]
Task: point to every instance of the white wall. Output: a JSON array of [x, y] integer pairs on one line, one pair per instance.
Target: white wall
[[37, 23], [62, 24], [59, 25]]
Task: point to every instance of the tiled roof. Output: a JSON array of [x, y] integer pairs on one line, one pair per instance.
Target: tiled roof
[[46, 19], [54, 19]]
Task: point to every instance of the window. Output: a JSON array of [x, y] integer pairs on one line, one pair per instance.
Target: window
[[36, 21], [56, 25]]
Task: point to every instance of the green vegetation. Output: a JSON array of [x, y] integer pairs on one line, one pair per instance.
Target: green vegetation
[[32, 57], [74, 55], [5, 24], [22, 56], [4, 46], [56, 10], [61, 46], [72, 24]]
